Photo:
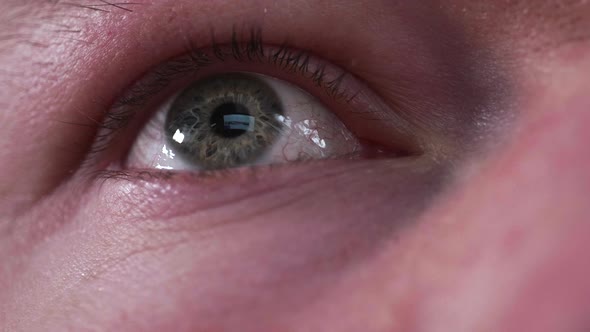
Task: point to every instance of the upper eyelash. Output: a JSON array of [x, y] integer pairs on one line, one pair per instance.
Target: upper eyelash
[[250, 49], [248, 46]]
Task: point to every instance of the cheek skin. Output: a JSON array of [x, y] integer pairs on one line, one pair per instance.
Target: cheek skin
[[510, 248], [248, 257]]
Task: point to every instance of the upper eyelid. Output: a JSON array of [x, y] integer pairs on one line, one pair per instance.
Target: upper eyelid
[[251, 49]]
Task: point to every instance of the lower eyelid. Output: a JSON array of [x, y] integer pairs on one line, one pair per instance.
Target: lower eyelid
[[166, 195]]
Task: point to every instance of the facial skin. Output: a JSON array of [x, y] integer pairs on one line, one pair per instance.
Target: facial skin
[[485, 229]]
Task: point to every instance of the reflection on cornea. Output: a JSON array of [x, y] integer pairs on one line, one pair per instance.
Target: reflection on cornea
[[286, 121], [305, 128], [239, 122], [178, 137], [169, 154]]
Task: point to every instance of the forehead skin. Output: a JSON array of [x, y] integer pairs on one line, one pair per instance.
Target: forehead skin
[[486, 258]]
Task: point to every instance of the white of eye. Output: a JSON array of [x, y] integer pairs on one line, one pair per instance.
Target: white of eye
[[310, 131]]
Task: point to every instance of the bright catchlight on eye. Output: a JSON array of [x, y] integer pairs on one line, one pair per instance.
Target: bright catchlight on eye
[[178, 137]]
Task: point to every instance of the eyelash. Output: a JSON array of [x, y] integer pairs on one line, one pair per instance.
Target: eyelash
[[246, 47]]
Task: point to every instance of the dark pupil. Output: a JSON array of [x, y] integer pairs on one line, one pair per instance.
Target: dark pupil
[[231, 120]]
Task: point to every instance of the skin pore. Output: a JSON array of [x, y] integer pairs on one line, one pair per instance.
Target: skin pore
[[483, 227]]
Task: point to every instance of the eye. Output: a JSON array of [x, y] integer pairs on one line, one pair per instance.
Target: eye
[[240, 119], [246, 104]]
